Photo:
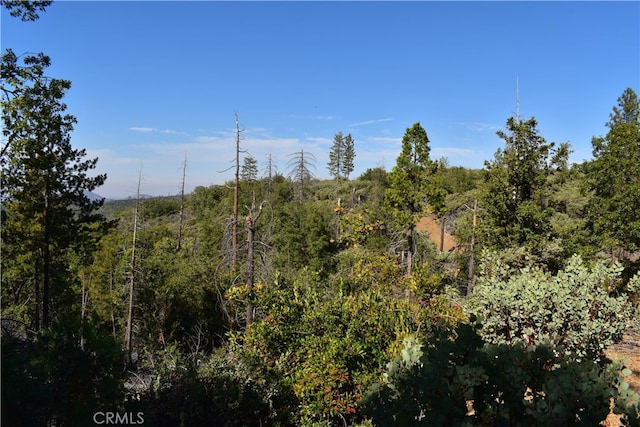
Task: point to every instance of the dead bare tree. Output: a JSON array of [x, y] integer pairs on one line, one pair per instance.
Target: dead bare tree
[[300, 167], [181, 220], [251, 220], [236, 192], [269, 173], [132, 280], [86, 283]]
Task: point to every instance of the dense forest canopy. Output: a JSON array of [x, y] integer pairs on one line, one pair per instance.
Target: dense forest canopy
[[288, 300]]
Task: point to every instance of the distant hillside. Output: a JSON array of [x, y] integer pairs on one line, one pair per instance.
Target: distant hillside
[[93, 196], [152, 206]]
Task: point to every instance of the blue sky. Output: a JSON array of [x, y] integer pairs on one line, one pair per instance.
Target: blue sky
[[155, 81]]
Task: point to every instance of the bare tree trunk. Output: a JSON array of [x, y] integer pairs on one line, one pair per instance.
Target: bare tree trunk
[[409, 250], [184, 174], [301, 173], [251, 220], [129, 331], [36, 284], [46, 258], [269, 175], [338, 211], [236, 190], [442, 227], [83, 307], [113, 316]]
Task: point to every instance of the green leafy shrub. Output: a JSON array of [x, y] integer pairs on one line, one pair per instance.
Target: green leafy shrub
[[457, 379], [54, 380], [580, 310], [322, 348], [214, 391]]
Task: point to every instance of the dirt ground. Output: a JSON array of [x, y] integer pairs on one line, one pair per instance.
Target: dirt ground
[[431, 225], [629, 350]]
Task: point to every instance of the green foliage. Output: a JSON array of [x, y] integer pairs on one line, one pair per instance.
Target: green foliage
[[457, 179], [377, 174], [160, 206], [457, 379], [249, 171], [26, 10], [516, 206], [358, 226], [213, 391], [569, 219], [343, 332], [325, 347], [56, 380], [413, 186], [614, 177], [43, 189], [580, 310], [305, 237], [341, 156], [409, 178], [103, 279], [349, 156]]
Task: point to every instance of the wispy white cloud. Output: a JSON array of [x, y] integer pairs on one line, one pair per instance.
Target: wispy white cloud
[[211, 157], [107, 156], [385, 139], [370, 122], [151, 130], [173, 132], [204, 139], [319, 140], [477, 126], [262, 144]]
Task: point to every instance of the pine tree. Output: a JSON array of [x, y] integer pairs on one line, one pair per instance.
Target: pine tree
[[336, 156], [614, 177], [44, 185], [341, 156], [517, 203], [410, 185], [349, 154], [249, 171]]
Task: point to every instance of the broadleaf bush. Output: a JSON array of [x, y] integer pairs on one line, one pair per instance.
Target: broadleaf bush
[[458, 379], [580, 310]]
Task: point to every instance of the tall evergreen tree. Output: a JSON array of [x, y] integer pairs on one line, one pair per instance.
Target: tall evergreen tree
[[249, 171], [47, 214], [341, 156], [410, 184], [516, 205], [336, 156], [614, 177], [349, 154]]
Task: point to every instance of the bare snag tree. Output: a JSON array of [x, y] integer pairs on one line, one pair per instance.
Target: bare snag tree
[[300, 167], [132, 277], [251, 220]]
